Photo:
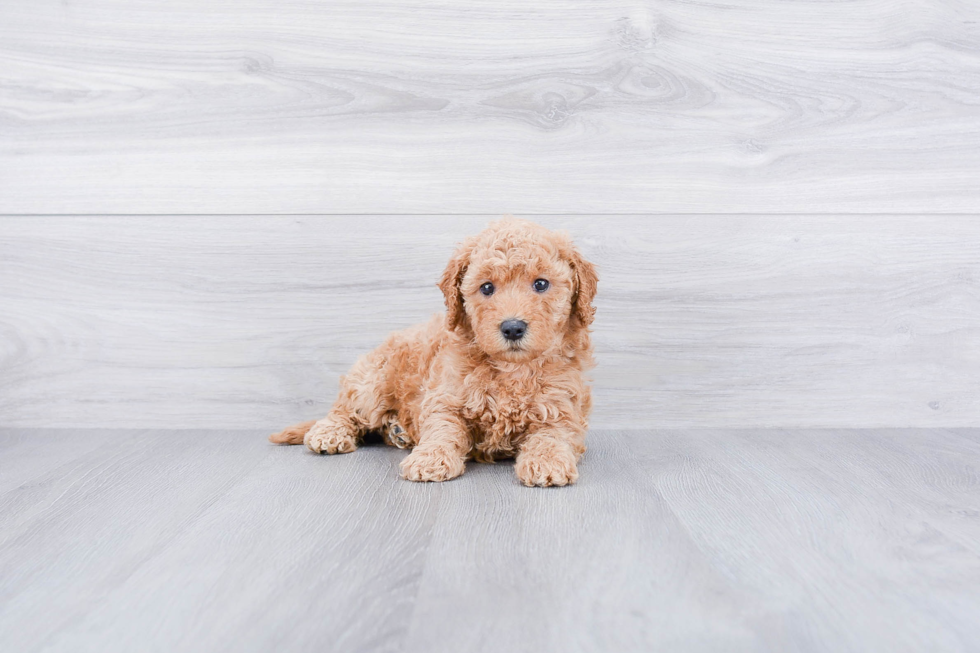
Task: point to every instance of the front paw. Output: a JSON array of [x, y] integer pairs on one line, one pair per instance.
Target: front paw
[[548, 463], [329, 437], [434, 466]]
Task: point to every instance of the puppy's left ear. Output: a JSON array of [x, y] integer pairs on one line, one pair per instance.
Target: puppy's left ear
[[586, 284], [449, 284]]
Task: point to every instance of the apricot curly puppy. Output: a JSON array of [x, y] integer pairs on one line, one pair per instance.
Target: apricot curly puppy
[[499, 375]]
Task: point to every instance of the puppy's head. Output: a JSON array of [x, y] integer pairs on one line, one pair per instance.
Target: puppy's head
[[519, 290]]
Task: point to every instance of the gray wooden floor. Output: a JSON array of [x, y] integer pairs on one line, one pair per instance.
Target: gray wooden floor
[[781, 540]]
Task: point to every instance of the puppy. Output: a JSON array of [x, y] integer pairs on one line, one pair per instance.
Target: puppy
[[501, 374]]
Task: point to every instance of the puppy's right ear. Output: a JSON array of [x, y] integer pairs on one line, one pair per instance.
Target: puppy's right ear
[[449, 283]]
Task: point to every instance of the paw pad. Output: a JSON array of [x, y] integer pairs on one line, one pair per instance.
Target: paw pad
[[397, 436]]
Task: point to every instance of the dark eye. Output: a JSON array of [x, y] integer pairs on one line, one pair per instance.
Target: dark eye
[[541, 285], [487, 289]]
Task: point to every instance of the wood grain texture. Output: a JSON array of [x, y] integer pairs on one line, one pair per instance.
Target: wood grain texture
[[708, 540], [247, 322], [573, 106]]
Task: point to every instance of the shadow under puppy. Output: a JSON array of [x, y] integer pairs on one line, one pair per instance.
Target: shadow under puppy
[[499, 375]]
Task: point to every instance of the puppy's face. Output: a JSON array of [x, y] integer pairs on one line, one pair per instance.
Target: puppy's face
[[518, 301], [520, 289]]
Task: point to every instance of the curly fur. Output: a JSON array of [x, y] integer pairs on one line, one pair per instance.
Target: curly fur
[[455, 388]]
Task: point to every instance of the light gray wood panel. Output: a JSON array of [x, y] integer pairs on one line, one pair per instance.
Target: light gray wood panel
[[248, 322], [371, 106], [717, 540], [21, 464], [138, 553], [708, 540]]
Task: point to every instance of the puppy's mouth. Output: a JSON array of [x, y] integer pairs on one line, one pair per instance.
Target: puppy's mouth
[[517, 350]]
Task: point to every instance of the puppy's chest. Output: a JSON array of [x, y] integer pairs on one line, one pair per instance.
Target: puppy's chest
[[501, 409]]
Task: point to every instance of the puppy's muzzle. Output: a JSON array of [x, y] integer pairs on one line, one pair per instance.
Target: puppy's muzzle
[[513, 329]]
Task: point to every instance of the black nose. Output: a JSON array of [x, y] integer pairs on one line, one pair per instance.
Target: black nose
[[513, 329]]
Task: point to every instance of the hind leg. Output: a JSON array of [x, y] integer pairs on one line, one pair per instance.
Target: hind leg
[[361, 406], [332, 434], [395, 434]]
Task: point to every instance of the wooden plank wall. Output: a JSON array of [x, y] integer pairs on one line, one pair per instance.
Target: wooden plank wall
[[246, 321], [489, 106], [207, 210]]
